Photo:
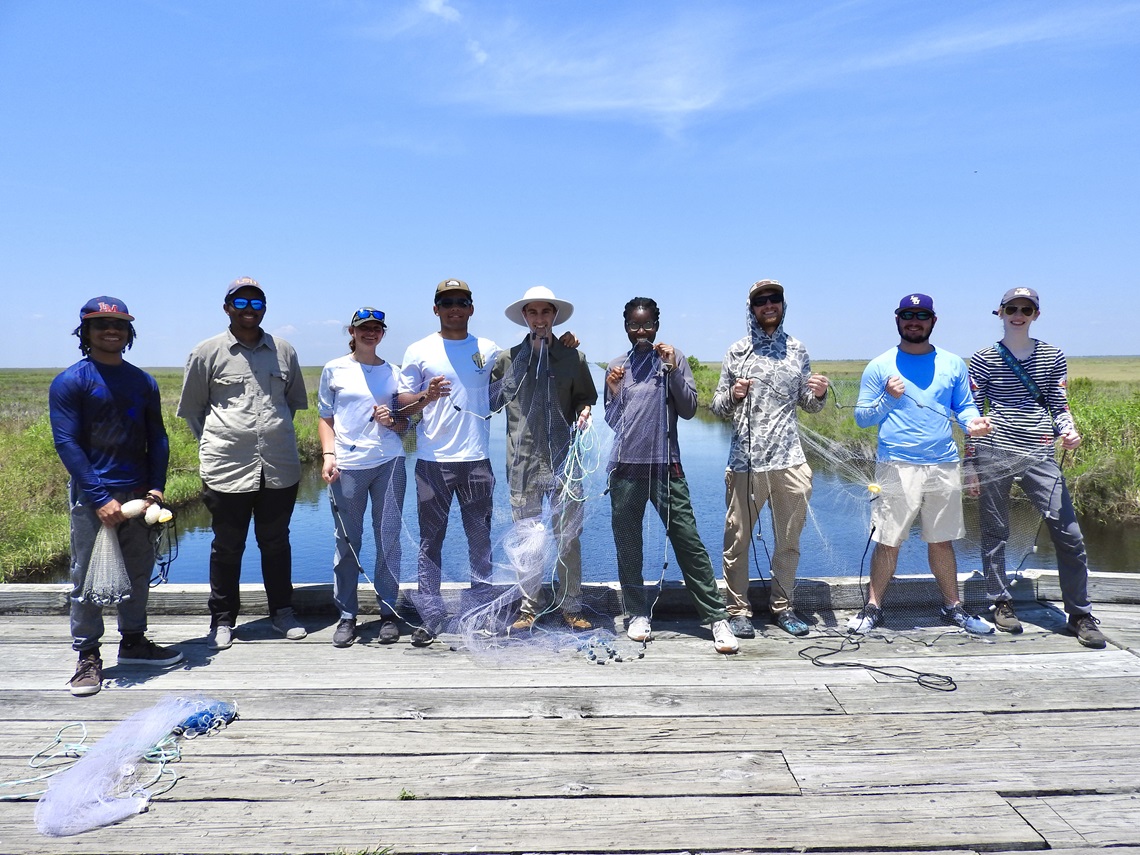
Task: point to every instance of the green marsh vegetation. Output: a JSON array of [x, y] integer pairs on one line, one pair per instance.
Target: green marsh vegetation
[[33, 482], [1104, 474]]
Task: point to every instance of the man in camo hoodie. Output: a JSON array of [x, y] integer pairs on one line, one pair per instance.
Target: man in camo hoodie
[[763, 377]]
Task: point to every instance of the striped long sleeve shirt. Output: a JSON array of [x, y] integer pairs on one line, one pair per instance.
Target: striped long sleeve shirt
[[1021, 424]]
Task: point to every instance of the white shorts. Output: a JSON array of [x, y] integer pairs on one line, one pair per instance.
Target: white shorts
[[908, 488]]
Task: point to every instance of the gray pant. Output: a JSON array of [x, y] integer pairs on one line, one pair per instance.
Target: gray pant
[[1044, 486], [566, 518], [137, 544], [384, 486]]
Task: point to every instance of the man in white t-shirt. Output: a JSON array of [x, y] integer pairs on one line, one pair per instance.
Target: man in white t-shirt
[[452, 447]]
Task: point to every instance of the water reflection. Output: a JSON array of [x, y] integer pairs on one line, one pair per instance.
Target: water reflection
[[833, 542]]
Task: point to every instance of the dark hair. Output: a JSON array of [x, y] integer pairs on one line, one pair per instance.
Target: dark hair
[[83, 333], [646, 303]]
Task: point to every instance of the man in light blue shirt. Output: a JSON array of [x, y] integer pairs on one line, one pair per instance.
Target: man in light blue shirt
[[914, 393]]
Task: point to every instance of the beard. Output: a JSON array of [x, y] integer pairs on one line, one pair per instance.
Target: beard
[[915, 337]]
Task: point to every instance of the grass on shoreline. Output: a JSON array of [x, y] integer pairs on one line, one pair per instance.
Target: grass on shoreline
[[1104, 474]]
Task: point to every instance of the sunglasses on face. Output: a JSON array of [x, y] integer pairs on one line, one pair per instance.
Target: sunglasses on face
[[1013, 310], [365, 314], [242, 303], [110, 324], [908, 315], [648, 326], [765, 299], [451, 302]]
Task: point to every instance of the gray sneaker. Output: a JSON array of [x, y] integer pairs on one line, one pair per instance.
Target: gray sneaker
[[88, 678], [220, 637], [1084, 627], [1005, 618], [389, 631], [286, 623], [345, 632], [146, 652]]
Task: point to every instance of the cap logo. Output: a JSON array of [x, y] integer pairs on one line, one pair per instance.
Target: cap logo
[[914, 300], [1021, 292], [452, 283], [109, 307]]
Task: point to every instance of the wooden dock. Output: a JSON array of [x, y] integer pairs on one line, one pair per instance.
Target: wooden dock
[[1036, 747]]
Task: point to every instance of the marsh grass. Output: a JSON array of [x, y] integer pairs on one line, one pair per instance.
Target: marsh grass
[[1104, 474], [33, 483]]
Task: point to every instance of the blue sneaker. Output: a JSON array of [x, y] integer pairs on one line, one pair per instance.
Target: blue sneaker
[[789, 622]]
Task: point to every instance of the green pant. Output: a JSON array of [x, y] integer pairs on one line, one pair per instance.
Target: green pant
[[670, 496]]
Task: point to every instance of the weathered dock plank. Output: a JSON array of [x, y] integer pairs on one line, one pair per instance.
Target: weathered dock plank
[[773, 824]]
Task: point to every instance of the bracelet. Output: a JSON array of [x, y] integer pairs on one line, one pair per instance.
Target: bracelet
[[328, 454]]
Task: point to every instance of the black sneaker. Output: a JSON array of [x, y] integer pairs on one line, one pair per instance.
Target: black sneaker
[[146, 652], [345, 632], [421, 637], [1005, 619], [88, 678], [389, 631], [1084, 627], [741, 626]]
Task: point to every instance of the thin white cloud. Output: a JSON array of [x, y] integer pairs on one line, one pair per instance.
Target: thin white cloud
[[673, 63], [1077, 24], [441, 9]]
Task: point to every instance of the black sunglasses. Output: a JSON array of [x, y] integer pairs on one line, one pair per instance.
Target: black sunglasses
[[242, 302], [1025, 310], [765, 299], [908, 315], [365, 314], [109, 324], [450, 302]]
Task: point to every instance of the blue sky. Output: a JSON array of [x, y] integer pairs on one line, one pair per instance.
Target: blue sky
[[355, 153]]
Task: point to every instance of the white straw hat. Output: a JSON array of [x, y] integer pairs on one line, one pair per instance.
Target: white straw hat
[[539, 294]]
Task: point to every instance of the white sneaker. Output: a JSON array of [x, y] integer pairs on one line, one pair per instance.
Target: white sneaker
[[958, 616], [286, 623], [639, 629], [723, 639], [220, 637], [866, 620]]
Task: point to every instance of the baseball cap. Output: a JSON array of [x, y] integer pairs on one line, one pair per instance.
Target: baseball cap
[[105, 307], [365, 314], [916, 303], [243, 282], [452, 285], [766, 285], [1028, 293]]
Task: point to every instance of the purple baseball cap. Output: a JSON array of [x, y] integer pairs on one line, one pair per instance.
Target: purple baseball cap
[[916, 303]]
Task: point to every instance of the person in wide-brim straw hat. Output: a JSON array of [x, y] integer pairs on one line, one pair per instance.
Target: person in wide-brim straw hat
[[563, 308], [548, 393]]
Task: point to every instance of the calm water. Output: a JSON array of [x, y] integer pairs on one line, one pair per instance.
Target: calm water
[[833, 542]]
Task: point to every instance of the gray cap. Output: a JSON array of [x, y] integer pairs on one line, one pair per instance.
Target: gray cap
[[1027, 293], [243, 282]]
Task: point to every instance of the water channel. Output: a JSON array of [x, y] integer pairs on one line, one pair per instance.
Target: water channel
[[833, 542]]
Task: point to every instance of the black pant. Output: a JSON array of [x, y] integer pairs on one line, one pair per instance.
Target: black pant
[[271, 511]]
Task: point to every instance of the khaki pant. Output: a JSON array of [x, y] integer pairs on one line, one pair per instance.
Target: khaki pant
[[789, 491]]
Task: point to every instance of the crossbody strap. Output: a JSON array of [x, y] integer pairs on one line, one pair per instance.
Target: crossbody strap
[[1019, 371]]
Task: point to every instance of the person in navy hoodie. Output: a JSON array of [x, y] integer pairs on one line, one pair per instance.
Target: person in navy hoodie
[[106, 421]]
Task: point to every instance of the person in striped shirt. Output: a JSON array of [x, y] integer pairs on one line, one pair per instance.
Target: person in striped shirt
[[1021, 383]]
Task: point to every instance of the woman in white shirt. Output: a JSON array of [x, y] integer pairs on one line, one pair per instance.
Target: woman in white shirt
[[361, 432]]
